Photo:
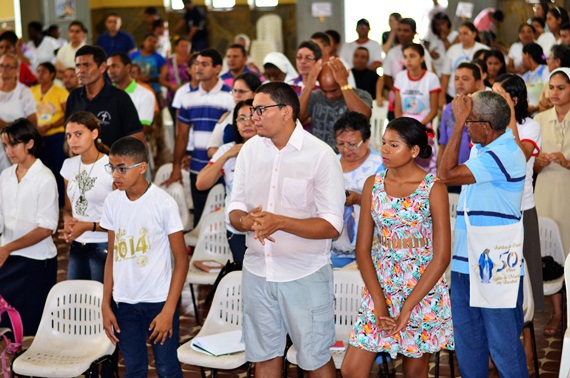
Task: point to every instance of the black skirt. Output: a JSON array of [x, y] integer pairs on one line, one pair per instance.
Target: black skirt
[[25, 284]]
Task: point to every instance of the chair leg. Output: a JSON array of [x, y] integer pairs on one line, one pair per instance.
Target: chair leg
[[214, 373], [300, 372], [202, 372], [248, 373], [436, 364], [534, 349], [452, 363], [196, 316]]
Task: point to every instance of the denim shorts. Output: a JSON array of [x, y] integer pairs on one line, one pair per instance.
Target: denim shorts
[[302, 308]]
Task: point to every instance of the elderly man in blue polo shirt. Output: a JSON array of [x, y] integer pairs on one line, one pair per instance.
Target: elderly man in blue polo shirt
[[492, 185]]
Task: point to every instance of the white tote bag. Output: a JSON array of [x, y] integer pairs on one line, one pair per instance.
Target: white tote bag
[[495, 258]]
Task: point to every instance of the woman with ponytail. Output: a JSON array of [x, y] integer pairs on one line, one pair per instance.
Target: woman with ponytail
[[87, 184]]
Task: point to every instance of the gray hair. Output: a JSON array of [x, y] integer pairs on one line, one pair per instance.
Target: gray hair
[[493, 108]]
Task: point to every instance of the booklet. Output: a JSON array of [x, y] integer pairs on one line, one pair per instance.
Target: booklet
[[338, 345], [209, 266], [219, 344]]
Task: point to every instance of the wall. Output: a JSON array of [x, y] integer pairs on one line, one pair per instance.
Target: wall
[[307, 24]]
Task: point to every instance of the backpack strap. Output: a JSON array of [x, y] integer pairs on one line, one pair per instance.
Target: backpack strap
[[16, 321]]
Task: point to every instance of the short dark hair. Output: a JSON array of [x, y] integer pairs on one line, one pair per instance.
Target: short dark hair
[[561, 52], [363, 49], [112, 14], [78, 23], [237, 137], [408, 21], [282, 93], [52, 28], [473, 67], [525, 25], [353, 121], [250, 79], [180, 39], [498, 15], [99, 55], [124, 58], [22, 131], [130, 147], [565, 26], [413, 133], [151, 11], [535, 52], [311, 46], [323, 37], [36, 26], [239, 47], [9, 36], [334, 35], [157, 24], [469, 25], [516, 87], [212, 54]]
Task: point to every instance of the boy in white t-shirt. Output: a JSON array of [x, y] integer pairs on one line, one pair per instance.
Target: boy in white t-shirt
[[141, 288]]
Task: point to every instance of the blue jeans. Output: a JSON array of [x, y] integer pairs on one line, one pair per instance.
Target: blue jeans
[[87, 261], [134, 321], [483, 331]]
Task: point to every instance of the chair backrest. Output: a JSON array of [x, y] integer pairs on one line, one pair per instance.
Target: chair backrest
[[225, 313], [162, 173], [216, 199], [348, 287], [259, 49], [73, 311], [453, 200], [377, 120], [550, 241], [270, 28], [176, 191], [213, 240]]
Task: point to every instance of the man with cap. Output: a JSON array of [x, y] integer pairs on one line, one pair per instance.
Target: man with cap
[[374, 48]]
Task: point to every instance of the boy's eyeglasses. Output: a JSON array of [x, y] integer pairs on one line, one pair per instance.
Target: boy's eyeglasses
[[120, 169]]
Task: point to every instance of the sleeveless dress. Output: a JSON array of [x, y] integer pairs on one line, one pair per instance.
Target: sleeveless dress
[[404, 251]]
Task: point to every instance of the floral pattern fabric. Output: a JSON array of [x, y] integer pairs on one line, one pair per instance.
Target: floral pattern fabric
[[399, 269]]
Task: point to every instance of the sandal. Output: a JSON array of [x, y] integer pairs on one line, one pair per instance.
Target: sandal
[[553, 326]]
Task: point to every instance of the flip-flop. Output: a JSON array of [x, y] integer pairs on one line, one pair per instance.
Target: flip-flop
[[552, 330]]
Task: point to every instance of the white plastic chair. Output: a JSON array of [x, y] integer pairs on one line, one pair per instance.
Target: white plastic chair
[[270, 28], [70, 338], [551, 245], [163, 173], [379, 114], [225, 315], [176, 190], [348, 288], [215, 201], [212, 245], [565, 359], [259, 49]]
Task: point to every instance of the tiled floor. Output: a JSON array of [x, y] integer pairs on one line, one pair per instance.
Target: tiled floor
[[549, 348]]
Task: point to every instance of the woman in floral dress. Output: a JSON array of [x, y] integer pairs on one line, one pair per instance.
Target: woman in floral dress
[[405, 307]]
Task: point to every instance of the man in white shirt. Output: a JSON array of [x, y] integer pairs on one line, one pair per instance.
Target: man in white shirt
[[290, 204], [374, 48]]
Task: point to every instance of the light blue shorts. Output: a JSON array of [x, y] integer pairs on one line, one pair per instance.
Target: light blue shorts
[[302, 308]]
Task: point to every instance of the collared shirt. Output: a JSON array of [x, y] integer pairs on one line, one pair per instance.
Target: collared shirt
[[229, 79], [495, 198], [27, 205], [202, 109], [302, 180], [122, 42], [144, 102], [113, 108]]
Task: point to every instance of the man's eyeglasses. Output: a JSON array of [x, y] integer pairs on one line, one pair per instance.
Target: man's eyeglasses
[[349, 146], [479, 121], [7, 67], [260, 109], [121, 169], [306, 57]]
